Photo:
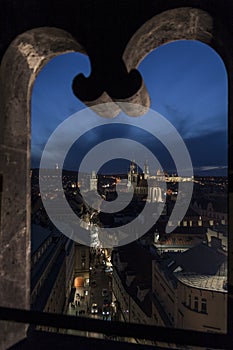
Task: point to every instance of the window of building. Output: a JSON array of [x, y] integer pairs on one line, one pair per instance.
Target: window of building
[[189, 301], [204, 305], [195, 303], [83, 263]]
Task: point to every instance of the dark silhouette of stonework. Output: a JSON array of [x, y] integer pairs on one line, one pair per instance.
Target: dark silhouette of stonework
[[116, 35]]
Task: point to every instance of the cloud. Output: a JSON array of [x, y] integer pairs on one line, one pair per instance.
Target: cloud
[[210, 167]]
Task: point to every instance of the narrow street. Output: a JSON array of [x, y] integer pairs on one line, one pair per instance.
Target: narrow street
[[98, 302]]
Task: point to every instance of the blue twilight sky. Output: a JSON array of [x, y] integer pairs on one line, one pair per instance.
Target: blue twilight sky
[[187, 83]]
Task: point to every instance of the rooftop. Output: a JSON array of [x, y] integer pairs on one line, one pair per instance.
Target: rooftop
[[200, 259], [215, 283], [201, 266], [38, 236], [181, 239], [136, 274]]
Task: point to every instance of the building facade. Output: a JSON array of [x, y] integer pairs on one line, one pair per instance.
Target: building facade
[[52, 272], [81, 265], [189, 289]]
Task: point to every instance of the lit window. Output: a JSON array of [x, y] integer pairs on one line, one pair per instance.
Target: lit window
[[83, 263]]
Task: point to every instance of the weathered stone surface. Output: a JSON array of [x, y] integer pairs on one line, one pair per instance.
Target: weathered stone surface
[[104, 106], [25, 57], [175, 24], [23, 60]]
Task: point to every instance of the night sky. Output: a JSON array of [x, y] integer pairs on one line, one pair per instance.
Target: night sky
[[187, 83]]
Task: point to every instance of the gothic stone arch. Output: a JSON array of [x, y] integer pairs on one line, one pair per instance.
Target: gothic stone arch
[[23, 60], [188, 23], [183, 23]]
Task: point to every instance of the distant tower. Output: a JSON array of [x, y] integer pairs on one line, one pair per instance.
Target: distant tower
[[93, 181], [132, 175], [132, 167], [146, 170], [160, 175]]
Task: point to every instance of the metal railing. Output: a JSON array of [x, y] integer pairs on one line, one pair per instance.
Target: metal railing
[[155, 334]]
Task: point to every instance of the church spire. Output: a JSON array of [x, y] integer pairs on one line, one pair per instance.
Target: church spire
[[146, 170]]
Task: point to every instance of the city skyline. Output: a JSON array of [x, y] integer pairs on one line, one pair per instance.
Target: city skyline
[[193, 99]]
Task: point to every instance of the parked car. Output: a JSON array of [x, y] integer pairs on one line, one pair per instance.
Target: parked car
[[94, 308], [108, 269], [105, 310]]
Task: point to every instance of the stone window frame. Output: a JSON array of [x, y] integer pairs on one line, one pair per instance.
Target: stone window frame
[[22, 62], [204, 305], [189, 300], [195, 304]]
